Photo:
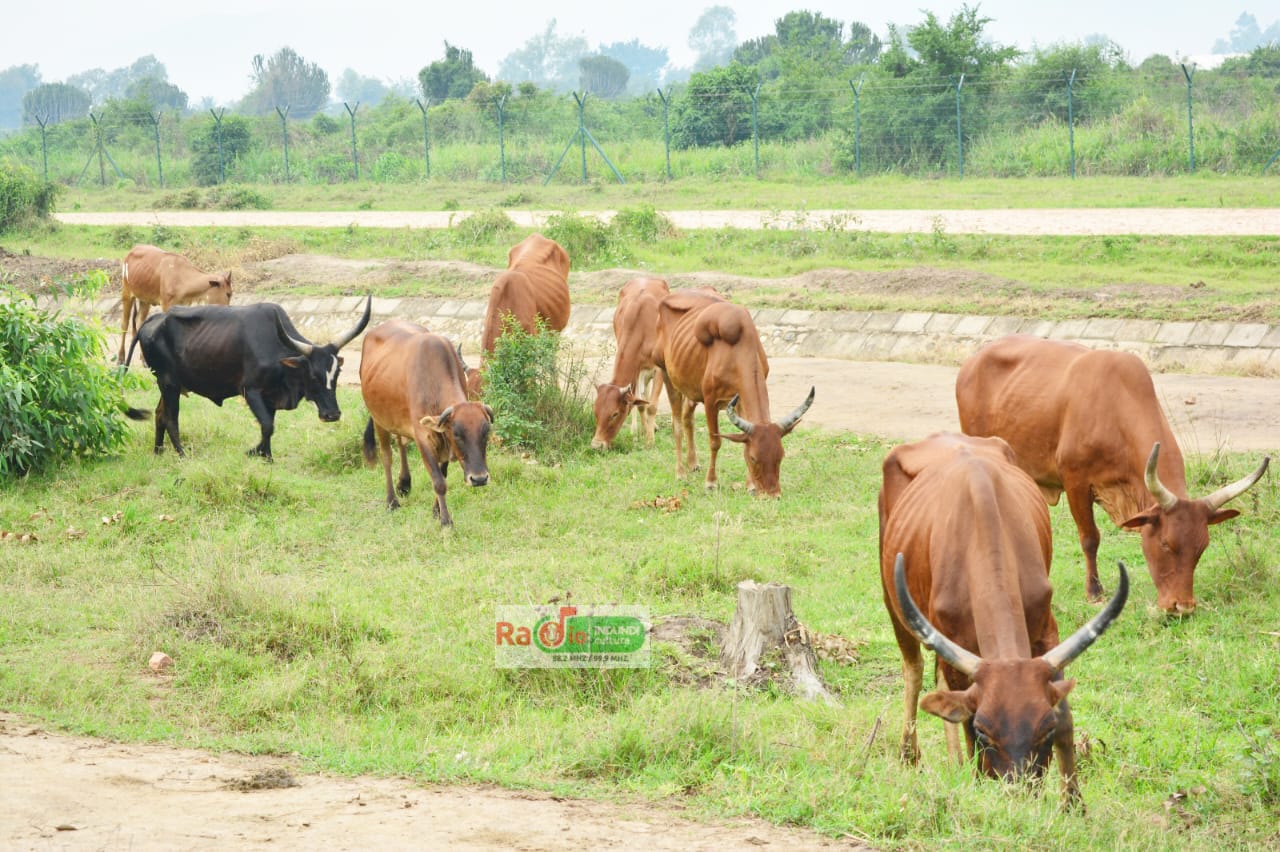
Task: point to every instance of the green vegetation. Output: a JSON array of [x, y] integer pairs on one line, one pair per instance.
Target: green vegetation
[[306, 619], [25, 199]]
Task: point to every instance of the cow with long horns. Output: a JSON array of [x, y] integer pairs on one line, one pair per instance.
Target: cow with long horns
[[252, 351], [710, 352], [1088, 422], [964, 532]]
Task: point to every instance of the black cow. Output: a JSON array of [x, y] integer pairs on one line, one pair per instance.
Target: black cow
[[252, 351]]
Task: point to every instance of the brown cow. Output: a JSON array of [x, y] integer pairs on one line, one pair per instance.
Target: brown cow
[[1088, 422], [963, 530], [710, 352], [534, 285], [413, 385], [151, 276], [636, 383]]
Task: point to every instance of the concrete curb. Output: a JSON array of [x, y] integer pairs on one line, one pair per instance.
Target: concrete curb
[[935, 338]]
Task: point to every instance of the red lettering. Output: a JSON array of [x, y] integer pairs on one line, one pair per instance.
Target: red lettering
[[505, 629]]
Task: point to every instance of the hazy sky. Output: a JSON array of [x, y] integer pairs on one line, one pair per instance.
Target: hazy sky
[[207, 47]]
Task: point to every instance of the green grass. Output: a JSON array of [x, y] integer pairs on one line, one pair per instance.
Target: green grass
[[1204, 189], [304, 618]]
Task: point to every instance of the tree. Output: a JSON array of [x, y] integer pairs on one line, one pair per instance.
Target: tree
[[713, 37], [959, 47], [157, 94], [645, 64], [602, 76], [354, 88], [716, 107], [452, 77], [206, 161], [863, 46], [1247, 35], [54, 103], [15, 82], [1040, 80], [286, 80], [102, 85], [547, 59]]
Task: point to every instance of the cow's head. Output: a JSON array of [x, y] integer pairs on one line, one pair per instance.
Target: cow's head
[[1011, 707], [1175, 532], [762, 446], [466, 427], [319, 365], [219, 292], [613, 406]]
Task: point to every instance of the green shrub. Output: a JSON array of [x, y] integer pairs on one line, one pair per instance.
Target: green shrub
[[481, 227], [24, 197], [587, 240], [537, 405], [643, 224], [58, 398]]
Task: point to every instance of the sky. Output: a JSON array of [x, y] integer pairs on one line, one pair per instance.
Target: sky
[[208, 47]]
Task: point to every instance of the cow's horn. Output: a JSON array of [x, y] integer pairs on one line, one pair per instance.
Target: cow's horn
[[364, 320], [1078, 642], [960, 659], [790, 420], [744, 425], [1219, 498], [1166, 498], [303, 347], [445, 415]]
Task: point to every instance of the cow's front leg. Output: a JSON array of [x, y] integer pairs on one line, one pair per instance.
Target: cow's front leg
[[713, 433], [266, 417], [423, 439]]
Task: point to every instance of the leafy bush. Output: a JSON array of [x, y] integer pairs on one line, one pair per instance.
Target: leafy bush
[[643, 224], [58, 398], [481, 227], [24, 197], [585, 238], [238, 198], [537, 406]]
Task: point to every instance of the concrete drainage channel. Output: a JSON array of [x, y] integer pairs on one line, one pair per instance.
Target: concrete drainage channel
[[1248, 349]]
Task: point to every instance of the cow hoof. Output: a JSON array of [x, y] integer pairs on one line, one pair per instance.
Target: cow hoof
[[257, 451], [402, 488], [392, 505], [712, 485]]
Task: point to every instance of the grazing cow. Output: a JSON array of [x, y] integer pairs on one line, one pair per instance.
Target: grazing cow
[[963, 530], [709, 352], [414, 386], [535, 285], [635, 383], [251, 351], [151, 276], [1088, 422]]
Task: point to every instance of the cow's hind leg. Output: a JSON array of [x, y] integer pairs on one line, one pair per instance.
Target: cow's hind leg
[[1080, 500], [384, 450], [167, 420], [266, 417]]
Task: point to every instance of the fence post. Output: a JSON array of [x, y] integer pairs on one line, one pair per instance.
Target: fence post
[[426, 140], [355, 159], [222, 159], [1071, 119], [666, 126], [101, 152], [1191, 127], [857, 126], [284, 133], [755, 125], [584, 135], [502, 139], [959, 133], [43, 121], [155, 122]]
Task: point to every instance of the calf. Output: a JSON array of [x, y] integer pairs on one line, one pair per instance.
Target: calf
[[151, 276], [636, 383]]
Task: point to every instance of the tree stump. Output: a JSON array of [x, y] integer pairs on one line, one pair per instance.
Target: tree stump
[[762, 623]]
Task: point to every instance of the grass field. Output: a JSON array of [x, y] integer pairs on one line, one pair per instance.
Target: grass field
[[306, 619]]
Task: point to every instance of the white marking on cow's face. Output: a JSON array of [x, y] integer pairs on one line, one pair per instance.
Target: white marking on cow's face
[[331, 377]]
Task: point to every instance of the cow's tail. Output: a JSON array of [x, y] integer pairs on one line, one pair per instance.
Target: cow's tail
[[137, 413], [370, 444], [134, 345]]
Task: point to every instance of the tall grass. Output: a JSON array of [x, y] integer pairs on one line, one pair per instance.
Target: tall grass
[[306, 619]]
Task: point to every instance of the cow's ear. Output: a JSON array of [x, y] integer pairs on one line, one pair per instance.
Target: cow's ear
[[1222, 515], [294, 362], [1059, 690], [432, 422], [954, 706], [641, 403], [736, 437], [1141, 520], [339, 360], [488, 412]]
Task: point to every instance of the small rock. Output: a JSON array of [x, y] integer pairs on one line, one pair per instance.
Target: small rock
[[1191, 400], [160, 661]]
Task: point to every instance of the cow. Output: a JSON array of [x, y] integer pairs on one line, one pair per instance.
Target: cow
[[152, 276], [1088, 422], [534, 286], [710, 352], [414, 385], [252, 351], [636, 383], [964, 531]]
